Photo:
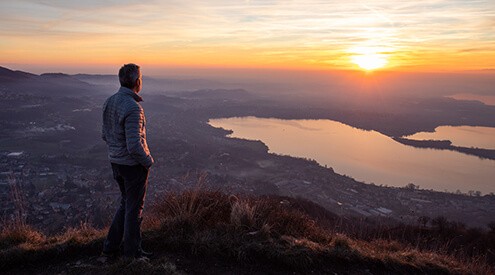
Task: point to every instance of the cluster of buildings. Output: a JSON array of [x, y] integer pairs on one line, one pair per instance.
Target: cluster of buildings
[[55, 195], [51, 196], [343, 195]]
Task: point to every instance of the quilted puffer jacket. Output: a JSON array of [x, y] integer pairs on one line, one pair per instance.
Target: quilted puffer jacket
[[124, 129]]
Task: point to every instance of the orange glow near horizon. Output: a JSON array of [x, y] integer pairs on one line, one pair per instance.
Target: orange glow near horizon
[[418, 36]]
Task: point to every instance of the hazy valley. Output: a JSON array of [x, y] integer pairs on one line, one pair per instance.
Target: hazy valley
[[64, 177]]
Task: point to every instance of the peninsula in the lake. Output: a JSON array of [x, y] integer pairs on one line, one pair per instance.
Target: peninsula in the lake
[[447, 145]]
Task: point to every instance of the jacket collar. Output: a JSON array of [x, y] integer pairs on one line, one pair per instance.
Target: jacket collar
[[130, 92]]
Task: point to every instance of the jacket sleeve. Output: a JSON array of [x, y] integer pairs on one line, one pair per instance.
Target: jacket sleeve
[[136, 137]]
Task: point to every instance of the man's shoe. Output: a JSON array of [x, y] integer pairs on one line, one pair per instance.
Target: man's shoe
[[145, 254], [107, 256], [138, 258], [142, 259]]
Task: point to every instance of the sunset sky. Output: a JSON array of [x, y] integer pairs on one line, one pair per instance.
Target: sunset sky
[[419, 35]]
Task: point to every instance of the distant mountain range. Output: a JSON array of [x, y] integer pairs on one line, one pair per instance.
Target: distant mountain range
[[10, 75], [53, 84], [106, 83]]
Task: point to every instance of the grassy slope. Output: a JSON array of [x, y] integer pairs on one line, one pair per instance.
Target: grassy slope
[[212, 232]]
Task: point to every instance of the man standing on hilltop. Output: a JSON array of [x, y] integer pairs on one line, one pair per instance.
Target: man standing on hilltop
[[125, 134]]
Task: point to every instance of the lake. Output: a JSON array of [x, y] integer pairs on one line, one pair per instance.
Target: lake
[[366, 156]]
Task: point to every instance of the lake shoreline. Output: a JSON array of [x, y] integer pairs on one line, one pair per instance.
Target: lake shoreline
[[343, 194], [370, 156], [447, 145]]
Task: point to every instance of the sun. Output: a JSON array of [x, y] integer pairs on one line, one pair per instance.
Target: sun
[[369, 61]]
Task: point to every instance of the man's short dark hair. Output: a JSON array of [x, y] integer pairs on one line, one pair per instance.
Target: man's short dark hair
[[128, 74]]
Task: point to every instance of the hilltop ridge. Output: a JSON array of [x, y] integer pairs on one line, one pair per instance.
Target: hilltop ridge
[[200, 232]]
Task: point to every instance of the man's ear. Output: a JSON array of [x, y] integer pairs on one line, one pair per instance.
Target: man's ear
[[138, 83]]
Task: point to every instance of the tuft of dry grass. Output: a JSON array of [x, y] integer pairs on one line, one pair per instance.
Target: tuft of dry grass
[[81, 235], [198, 209], [22, 244], [16, 233], [242, 214]]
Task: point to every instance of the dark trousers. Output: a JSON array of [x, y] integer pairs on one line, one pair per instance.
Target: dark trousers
[[126, 223]]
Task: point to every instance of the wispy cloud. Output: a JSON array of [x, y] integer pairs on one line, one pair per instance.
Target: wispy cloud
[[269, 32]]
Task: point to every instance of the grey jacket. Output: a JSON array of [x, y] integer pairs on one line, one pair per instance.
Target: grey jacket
[[124, 129]]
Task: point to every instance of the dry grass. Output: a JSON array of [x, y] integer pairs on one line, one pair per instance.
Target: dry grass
[[242, 230], [271, 230], [242, 214], [15, 233], [21, 244], [80, 235]]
